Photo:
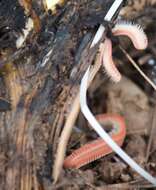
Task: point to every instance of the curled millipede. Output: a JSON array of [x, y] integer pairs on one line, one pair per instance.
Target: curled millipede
[[133, 31], [138, 38], [98, 148], [108, 63]]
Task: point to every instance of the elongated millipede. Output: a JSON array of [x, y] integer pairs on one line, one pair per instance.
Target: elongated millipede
[[98, 148]]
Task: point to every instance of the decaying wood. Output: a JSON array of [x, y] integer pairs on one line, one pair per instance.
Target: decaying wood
[[66, 132], [41, 96]]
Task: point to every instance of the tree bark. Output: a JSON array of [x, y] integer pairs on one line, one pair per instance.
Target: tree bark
[[41, 83]]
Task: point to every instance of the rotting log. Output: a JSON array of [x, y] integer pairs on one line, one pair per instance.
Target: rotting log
[[40, 80]]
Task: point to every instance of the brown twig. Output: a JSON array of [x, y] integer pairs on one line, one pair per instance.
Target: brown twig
[[137, 68], [152, 133]]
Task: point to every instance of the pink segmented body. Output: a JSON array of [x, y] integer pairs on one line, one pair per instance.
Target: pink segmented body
[[138, 38], [98, 148], [108, 63]]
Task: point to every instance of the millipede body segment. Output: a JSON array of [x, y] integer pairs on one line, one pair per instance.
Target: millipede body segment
[[98, 148]]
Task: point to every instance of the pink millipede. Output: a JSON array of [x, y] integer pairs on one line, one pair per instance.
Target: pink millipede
[[133, 31], [98, 148], [138, 38], [108, 63]]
